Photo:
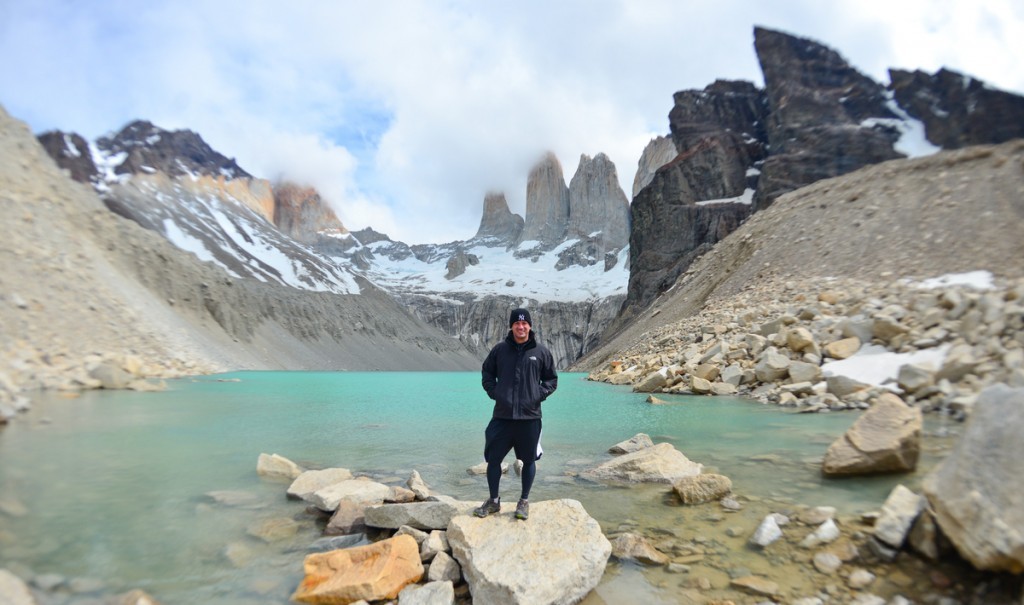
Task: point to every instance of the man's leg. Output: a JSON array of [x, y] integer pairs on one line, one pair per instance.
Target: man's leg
[[526, 439], [497, 443]]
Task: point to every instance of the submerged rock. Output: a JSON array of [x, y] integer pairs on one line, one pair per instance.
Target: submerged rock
[[699, 489], [272, 465], [661, 463]]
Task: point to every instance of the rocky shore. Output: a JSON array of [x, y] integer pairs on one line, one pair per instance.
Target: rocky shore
[[937, 344]]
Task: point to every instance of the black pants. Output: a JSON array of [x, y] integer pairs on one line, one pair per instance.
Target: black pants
[[503, 435]]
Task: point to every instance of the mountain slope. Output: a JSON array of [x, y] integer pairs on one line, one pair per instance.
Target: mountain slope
[[81, 285], [954, 211]]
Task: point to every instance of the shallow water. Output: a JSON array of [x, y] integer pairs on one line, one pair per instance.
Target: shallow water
[[113, 486]]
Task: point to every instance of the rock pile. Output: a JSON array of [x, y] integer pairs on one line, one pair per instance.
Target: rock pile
[[777, 343], [429, 549]]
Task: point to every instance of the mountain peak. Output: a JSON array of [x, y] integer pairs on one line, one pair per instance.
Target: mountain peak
[[498, 221]]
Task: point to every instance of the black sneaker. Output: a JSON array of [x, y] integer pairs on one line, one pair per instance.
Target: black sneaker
[[489, 507], [523, 510]]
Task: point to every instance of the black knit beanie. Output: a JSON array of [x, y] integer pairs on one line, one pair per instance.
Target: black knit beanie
[[519, 315]]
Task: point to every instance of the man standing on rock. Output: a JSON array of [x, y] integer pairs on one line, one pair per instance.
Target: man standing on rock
[[518, 374]]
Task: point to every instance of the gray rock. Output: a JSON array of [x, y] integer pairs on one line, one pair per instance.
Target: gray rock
[[418, 486], [977, 492], [436, 541], [634, 443], [843, 386], [556, 558], [111, 376], [444, 568], [913, 377], [772, 366], [431, 593], [898, 514], [421, 515]]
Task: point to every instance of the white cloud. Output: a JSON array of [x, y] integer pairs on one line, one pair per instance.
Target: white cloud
[[405, 113]]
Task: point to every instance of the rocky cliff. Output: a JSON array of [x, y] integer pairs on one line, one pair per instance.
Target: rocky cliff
[[958, 110], [598, 209], [817, 117], [547, 204], [498, 221]]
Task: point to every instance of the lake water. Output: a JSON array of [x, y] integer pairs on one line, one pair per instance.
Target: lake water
[[112, 486]]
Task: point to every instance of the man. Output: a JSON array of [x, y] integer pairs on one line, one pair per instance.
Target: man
[[518, 374]]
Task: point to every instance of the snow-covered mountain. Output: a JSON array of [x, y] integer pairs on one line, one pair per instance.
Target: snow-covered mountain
[[206, 205]]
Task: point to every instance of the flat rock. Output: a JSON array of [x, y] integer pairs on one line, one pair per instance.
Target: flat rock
[[421, 515]]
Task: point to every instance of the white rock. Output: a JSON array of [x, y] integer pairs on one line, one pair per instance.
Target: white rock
[[766, 533]]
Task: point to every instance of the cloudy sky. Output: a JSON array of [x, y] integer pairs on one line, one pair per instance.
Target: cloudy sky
[[405, 113]]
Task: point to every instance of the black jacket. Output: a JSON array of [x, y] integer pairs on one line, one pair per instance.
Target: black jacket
[[519, 377]]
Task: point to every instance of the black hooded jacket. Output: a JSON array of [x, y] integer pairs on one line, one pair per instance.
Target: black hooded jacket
[[518, 377]]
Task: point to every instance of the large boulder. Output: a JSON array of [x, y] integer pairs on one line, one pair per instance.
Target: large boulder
[[554, 558], [660, 463], [977, 493], [885, 439], [374, 572]]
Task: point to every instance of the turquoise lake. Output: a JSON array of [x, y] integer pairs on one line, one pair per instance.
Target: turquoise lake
[[112, 486]]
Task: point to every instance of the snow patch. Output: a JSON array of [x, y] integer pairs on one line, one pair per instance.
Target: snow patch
[[746, 198], [874, 365]]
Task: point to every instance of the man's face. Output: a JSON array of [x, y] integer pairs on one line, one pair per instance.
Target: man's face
[[521, 331]]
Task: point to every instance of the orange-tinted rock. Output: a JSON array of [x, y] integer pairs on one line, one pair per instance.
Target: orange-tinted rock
[[373, 572]]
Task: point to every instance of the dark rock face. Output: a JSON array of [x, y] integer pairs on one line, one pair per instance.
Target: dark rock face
[[817, 104], [658, 255], [71, 152], [816, 118], [149, 149], [719, 132], [958, 110]]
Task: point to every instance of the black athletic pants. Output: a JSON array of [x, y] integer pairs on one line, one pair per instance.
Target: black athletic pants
[[503, 435]]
